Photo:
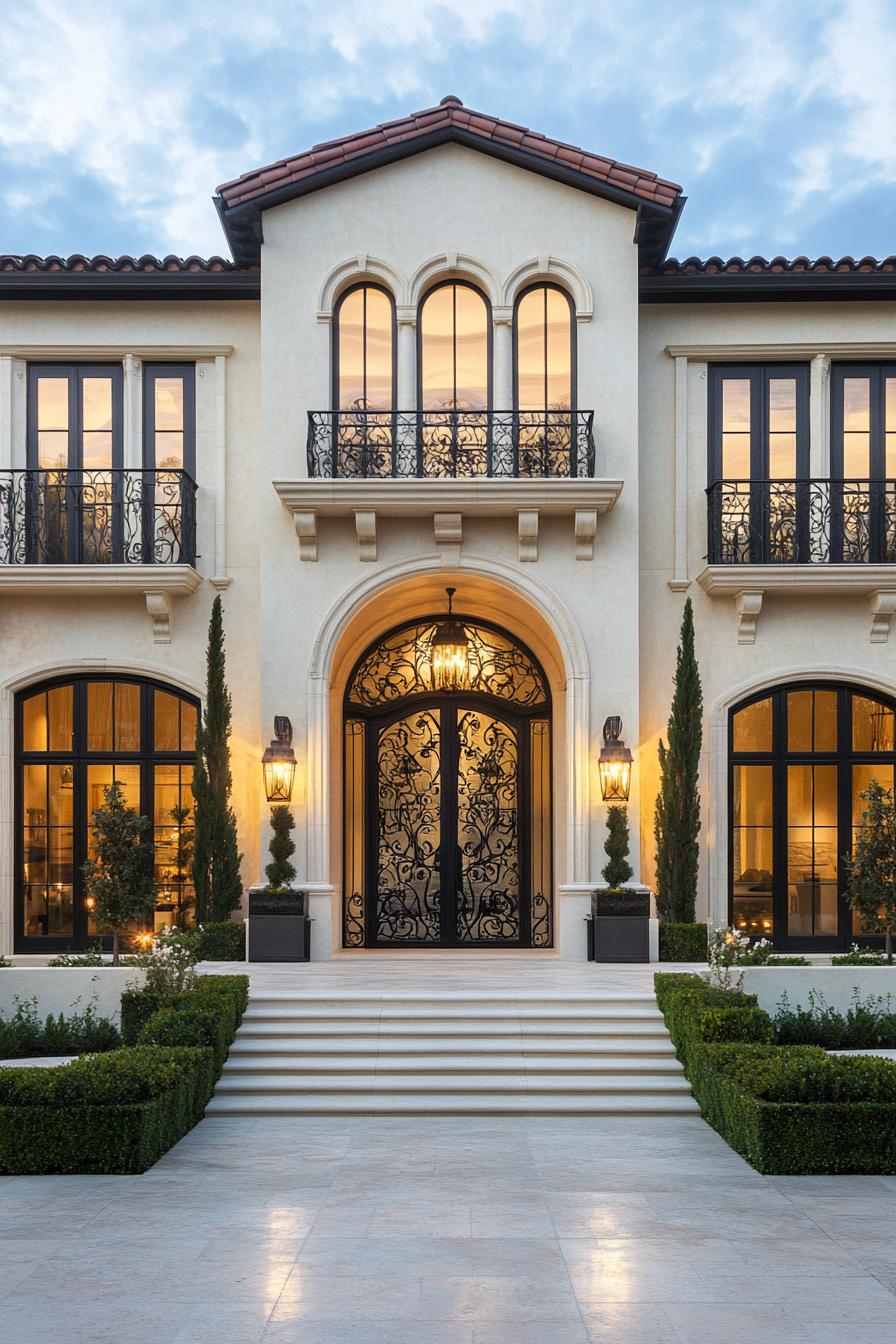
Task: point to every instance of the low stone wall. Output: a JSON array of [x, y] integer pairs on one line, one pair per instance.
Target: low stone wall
[[67, 989], [836, 984]]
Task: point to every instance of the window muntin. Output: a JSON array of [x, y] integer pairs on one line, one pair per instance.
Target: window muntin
[[800, 757], [169, 420], [73, 738], [543, 330], [74, 416], [364, 351], [863, 421], [455, 349]]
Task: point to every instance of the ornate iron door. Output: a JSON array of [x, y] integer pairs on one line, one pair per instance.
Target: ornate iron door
[[447, 832]]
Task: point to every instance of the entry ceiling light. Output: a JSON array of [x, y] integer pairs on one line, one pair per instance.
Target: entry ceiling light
[[450, 652], [614, 763], [279, 762]]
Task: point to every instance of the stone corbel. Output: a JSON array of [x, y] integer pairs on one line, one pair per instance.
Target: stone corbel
[[448, 531], [305, 521], [365, 527], [586, 531], [158, 605], [527, 535], [747, 606], [883, 606]]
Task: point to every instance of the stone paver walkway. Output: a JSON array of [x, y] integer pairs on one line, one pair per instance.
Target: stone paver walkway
[[448, 1231]]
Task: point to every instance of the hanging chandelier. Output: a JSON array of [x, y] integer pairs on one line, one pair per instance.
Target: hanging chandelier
[[450, 651]]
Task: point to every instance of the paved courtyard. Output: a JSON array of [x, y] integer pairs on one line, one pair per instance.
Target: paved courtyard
[[448, 1231]]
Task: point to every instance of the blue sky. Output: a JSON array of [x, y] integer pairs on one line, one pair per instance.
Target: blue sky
[[117, 120]]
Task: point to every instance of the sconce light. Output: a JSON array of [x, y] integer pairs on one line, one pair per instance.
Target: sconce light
[[279, 762], [450, 648], [614, 764]]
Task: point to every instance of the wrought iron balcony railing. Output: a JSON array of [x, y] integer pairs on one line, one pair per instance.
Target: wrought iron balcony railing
[[823, 522], [96, 517], [371, 444]]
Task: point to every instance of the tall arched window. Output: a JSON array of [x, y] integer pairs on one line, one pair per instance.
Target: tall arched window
[[544, 379], [454, 376], [800, 757], [74, 736], [364, 382], [447, 805]]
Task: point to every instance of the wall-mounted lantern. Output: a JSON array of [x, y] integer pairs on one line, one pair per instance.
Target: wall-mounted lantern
[[614, 764], [279, 762], [450, 650]]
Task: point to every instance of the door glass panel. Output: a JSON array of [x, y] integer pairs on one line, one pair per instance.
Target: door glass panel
[[99, 777], [168, 395], [782, 428], [488, 855], [408, 893], [34, 723], [167, 721], [172, 843], [862, 777], [52, 422], [752, 849], [127, 716], [753, 727], [812, 721], [736, 429], [100, 702], [872, 725], [856, 428], [890, 428], [812, 850]]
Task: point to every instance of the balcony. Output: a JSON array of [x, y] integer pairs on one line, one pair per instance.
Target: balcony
[[794, 537], [97, 517], [820, 522], [362, 444]]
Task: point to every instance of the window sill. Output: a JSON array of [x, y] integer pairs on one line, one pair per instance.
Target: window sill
[[157, 584]]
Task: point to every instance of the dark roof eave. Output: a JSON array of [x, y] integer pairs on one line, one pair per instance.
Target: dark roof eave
[[242, 223], [130, 285], [769, 287]]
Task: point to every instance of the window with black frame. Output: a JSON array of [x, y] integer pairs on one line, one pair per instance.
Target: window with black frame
[[760, 501], [863, 463], [800, 757], [74, 736], [169, 463]]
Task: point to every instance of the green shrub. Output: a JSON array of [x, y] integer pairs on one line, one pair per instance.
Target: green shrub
[[115, 1113], [861, 956], [683, 942], [200, 1017], [24, 1034], [868, 1024], [137, 1007], [92, 957], [236, 986], [224, 941]]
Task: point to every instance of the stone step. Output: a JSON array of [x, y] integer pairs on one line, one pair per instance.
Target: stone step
[[459, 1013], [305, 1047], [457, 1103], [594, 1084], [487, 1063], [511, 1028]]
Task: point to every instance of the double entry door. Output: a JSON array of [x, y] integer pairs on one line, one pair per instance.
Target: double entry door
[[448, 841]]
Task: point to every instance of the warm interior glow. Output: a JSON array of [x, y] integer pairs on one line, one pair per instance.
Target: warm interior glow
[[615, 779], [278, 778], [449, 666]]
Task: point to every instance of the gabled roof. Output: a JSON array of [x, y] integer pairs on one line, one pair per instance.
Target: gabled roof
[[241, 201]]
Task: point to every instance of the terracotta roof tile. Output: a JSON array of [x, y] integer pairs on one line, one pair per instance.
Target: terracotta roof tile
[[775, 266], [145, 265], [450, 112]]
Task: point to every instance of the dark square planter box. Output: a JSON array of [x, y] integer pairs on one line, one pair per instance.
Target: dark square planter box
[[619, 927], [278, 928]]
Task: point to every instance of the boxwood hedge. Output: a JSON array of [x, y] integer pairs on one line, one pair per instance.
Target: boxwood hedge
[[790, 1110], [119, 1112], [683, 942]]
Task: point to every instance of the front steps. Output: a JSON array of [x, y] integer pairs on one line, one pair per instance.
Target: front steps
[[462, 1052]]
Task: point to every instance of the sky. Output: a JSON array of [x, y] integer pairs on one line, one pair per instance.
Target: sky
[[118, 120]]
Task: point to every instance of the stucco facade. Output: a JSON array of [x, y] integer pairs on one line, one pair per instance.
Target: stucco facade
[[590, 573]]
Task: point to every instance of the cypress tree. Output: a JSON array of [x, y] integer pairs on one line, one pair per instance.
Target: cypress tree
[[677, 818], [280, 871], [616, 846], [216, 856]]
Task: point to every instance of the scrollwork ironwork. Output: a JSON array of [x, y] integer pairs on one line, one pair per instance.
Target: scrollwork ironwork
[[401, 665], [362, 442], [824, 522], [488, 852], [92, 517], [409, 830]]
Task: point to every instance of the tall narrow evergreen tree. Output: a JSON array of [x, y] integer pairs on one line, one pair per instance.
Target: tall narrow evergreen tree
[[216, 856], [616, 846], [677, 819]]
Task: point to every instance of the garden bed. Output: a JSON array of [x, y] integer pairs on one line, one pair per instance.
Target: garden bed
[[788, 1109]]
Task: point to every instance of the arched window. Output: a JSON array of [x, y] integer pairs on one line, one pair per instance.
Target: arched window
[[74, 736], [544, 380], [454, 376], [800, 757], [364, 351], [363, 428], [447, 812]]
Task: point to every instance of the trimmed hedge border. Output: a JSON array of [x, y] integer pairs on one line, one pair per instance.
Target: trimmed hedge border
[[789, 1110], [117, 1113], [683, 942], [224, 941]]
